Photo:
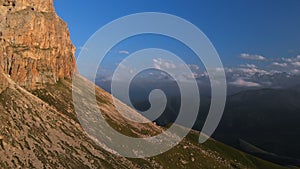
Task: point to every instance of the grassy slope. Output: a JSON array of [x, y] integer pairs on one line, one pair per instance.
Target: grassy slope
[[188, 154], [34, 135]]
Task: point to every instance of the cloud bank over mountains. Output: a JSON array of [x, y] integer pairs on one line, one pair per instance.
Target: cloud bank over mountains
[[257, 72]]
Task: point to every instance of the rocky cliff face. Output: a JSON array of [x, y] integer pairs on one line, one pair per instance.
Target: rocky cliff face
[[35, 46]]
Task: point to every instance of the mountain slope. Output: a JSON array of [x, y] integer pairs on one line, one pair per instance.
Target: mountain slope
[[188, 154], [37, 133]]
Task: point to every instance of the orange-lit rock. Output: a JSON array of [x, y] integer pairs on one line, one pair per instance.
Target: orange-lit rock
[[35, 46]]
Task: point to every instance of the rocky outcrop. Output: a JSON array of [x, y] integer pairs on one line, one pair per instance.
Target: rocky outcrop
[[35, 46]]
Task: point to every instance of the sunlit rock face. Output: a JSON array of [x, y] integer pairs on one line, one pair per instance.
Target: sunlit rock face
[[35, 46]]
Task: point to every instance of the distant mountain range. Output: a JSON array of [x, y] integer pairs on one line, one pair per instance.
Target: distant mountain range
[[267, 118]]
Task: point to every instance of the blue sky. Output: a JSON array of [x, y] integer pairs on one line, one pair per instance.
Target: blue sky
[[269, 29]]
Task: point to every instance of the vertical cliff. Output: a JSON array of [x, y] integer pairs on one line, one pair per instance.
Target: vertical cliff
[[35, 46]]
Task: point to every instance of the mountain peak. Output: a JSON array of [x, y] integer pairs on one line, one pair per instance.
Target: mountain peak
[[38, 5], [35, 43]]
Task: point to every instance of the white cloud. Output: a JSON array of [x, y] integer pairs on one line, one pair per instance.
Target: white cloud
[[243, 83], [295, 71], [220, 69], [194, 67], [296, 63], [252, 57], [249, 66], [125, 52], [289, 60], [252, 71], [204, 74], [280, 64], [160, 64], [229, 70], [125, 68]]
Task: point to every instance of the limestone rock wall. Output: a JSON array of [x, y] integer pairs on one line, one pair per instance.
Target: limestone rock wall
[[35, 46]]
